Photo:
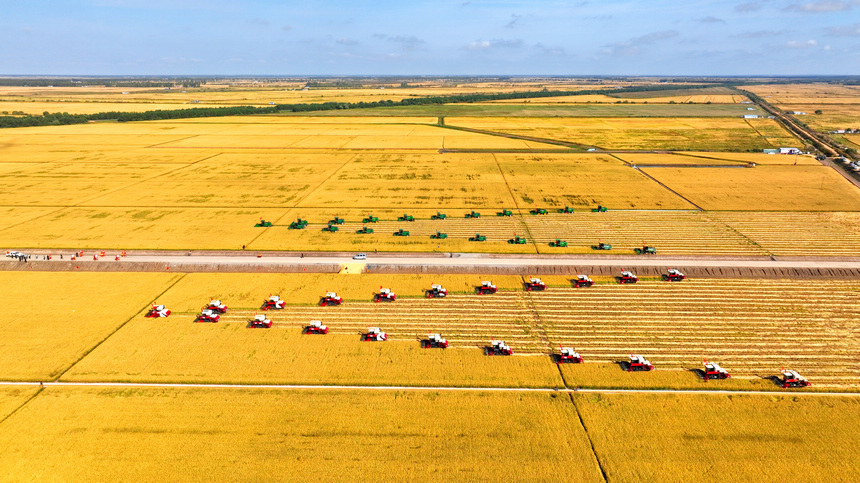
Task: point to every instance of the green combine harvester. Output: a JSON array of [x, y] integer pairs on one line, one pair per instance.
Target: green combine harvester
[[539, 211], [401, 232], [566, 209], [439, 236], [599, 209], [370, 219], [558, 243], [478, 238], [601, 246], [263, 224], [299, 224], [518, 240], [337, 221], [439, 216], [406, 217], [505, 213], [331, 228], [473, 214], [645, 250], [364, 230]]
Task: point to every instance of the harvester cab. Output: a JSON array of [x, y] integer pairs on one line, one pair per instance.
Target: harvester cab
[[260, 322], [674, 275], [217, 306], [793, 379], [499, 348], [535, 284], [274, 302], [208, 315], [375, 334], [627, 277], [385, 295], [158, 311], [436, 291], [583, 281], [435, 341], [568, 355], [316, 327], [487, 288], [331, 298], [639, 363], [714, 371]]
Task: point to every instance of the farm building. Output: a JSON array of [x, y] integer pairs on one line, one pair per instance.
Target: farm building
[[789, 151], [750, 116], [770, 151]]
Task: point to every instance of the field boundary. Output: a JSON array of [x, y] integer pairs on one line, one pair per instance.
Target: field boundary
[[292, 387]]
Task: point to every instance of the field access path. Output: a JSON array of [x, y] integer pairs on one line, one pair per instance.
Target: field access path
[[299, 387]]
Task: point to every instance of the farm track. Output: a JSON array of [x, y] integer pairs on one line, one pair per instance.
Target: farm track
[[288, 387]]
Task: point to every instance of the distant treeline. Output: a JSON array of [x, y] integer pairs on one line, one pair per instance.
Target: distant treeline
[[56, 119], [107, 82]]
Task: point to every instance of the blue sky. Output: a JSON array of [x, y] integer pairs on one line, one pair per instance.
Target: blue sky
[[463, 37]]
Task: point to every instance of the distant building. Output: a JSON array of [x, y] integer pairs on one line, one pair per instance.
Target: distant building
[[770, 151], [789, 151], [750, 116], [750, 109], [797, 113]]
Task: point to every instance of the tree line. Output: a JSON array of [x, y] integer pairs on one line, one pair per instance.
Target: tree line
[[56, 119]]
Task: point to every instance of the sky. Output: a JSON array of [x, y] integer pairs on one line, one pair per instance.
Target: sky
[[440, 37]]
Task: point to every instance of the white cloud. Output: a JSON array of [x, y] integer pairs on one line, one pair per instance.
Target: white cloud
[[797, 44]]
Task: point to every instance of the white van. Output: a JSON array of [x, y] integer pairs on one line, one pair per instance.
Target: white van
[[360, 256]]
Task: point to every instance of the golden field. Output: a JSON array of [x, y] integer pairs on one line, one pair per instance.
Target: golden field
[[751, 327], [51, 320], [301, 435], [12, 397], [687, 134], [723, 438], [783, 188]]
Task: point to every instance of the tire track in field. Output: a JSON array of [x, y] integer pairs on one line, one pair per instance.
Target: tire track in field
[[133, 316], [516, 203]]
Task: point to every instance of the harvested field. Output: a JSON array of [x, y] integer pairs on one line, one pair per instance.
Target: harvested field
[[748, 437], [11, 398], [308, 435]]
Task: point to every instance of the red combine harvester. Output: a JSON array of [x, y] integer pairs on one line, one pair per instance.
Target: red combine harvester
[[487, 287], [627, 277], [436, 291], [568, 355], [639, 363], [260, 322], [793, 379], [316, 327], [384, 295], [435, 341], [331, 298], [217, 306], [714, 371], [375, 334], [535, 284], [208, 315], [583, 281], [499, 348], [273, 303], [674, 276], [158, 311]]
